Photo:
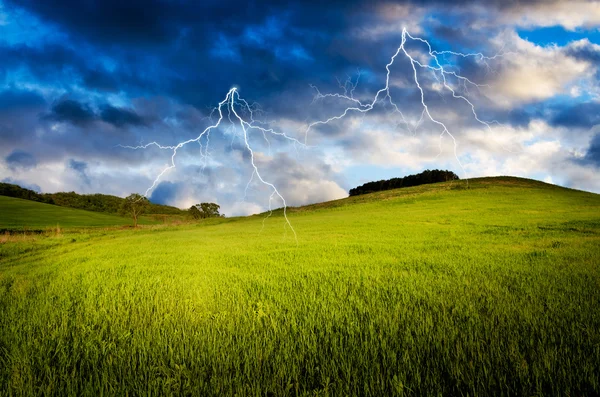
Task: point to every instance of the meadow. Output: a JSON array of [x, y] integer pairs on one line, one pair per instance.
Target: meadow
[[24, 214], [490, 288]]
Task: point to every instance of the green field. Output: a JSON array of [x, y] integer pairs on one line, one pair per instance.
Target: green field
[[441, 289], [18, 213]]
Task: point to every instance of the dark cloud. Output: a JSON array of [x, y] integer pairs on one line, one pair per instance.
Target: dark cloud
[[19, 120], [166, 62], [15, 99], [20, 159], [165, 193], [454, 36], [592, 155], [64, 67], [81, 114], [120, 117], [80, 167], [74, 112], [98, 79], [585, 52], [176, 48], [152, 22], [581, 115], [451, 33], [112, 20], [45, 63]]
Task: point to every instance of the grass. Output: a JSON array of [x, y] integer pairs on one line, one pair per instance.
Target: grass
[[17, 213], [432, 290]]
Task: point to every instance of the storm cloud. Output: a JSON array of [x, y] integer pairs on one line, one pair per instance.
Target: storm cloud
[[81, 80]]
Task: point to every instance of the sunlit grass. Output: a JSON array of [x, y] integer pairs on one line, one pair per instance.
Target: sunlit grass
[[17, 214], [432, 290]]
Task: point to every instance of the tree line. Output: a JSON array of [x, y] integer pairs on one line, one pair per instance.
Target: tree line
[[89, 202], [133, 205], [425, 177], [205, 210]]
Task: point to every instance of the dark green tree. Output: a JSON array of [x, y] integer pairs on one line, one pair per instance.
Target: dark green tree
[[134, 205], [425, 177], [195, 212], [210, 210], [205, 210]]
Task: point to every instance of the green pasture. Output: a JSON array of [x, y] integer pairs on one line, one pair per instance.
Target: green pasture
[[447, 289], [17, 213]]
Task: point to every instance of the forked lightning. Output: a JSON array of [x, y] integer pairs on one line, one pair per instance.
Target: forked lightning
[[239, 113]]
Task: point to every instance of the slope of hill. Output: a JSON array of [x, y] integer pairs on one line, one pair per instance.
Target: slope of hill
[[90, 202], [17, 213], [423, 178], [444, 289]]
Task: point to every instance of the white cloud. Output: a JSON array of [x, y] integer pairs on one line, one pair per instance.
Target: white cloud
[[240, 208], [531, 72], [305, 191], [301, 182], [545, 153], [570, 14], [392, 19]]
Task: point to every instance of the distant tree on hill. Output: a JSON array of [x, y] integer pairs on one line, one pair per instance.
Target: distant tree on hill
[[134, 205], [427, 176], [205, 210], [11, 190], [195, 212], [89, 202]]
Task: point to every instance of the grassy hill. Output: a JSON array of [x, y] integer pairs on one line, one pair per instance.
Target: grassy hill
[[434, 290], [19, 213], [90, 202]]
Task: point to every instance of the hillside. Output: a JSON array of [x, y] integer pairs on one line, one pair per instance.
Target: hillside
[[90, 202], [423, 178], [500, 184], [19, 213], [479, 287]]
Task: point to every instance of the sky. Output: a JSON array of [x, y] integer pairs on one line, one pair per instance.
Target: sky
[[80, 81]]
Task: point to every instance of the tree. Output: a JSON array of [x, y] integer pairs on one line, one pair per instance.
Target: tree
[[134, 205], [423, 178], [210, 210], [195, 212], [205, 210]]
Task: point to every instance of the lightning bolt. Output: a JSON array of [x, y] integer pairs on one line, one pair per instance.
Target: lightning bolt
[[436, 67], [238, 113]]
